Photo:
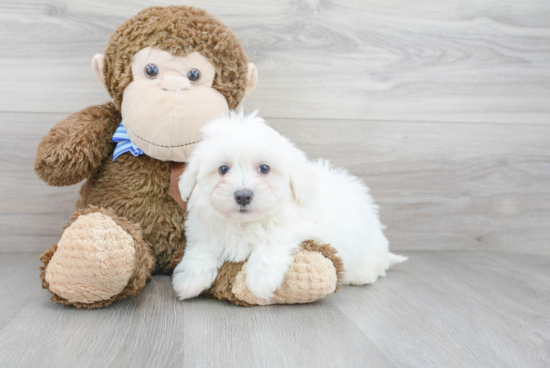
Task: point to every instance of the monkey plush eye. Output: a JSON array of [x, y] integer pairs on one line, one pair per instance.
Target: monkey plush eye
[[264, 169], [193, 75], [151, 71], [223, 170]]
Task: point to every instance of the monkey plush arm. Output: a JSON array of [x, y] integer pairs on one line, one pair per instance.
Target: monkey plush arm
[[75, 147]]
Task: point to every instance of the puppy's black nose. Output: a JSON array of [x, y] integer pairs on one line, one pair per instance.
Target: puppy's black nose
[[243, 197]]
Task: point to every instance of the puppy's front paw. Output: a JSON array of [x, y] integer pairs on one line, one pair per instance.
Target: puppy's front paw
[[262, 283], [188, 284]]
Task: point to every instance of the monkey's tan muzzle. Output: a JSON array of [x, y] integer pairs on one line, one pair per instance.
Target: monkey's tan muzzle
[[175, 83], [167, 127]]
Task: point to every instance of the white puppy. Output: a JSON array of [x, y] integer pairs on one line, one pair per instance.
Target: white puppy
[[253, 195]]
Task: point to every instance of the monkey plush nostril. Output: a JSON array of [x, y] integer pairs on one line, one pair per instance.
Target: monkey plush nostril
[[243, 197], [175, 83]]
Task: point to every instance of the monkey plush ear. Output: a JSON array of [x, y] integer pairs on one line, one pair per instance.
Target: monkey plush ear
[[252, 79], [97, 67]]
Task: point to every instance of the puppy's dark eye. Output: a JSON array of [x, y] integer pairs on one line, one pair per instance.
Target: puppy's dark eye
[[264, 169], [223, 170], [151, 71], [193, 75]]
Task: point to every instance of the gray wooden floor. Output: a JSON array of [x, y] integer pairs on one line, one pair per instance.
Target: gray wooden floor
[[441, 106], [439, 309]]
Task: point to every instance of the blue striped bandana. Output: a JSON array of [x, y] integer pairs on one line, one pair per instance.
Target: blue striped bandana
[[123, 143]]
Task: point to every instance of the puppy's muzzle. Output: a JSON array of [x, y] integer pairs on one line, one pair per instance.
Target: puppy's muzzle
[[243, 197]]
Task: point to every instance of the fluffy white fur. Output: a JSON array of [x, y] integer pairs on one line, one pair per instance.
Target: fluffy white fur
[[295, 201]]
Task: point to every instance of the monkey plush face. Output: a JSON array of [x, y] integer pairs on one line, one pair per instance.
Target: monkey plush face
[[170, 70], [168, 101]]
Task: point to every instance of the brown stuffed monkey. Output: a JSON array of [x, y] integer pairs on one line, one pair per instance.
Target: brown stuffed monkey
[[169, 71]]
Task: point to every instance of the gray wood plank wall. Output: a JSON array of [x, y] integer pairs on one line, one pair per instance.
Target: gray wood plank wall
[[443, 107]]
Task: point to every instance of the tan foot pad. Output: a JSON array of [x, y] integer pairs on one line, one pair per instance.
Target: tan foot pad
[[94, 260], [312, 276]]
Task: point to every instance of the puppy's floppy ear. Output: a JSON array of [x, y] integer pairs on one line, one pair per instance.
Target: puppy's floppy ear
[[302, 178], [188, 180]]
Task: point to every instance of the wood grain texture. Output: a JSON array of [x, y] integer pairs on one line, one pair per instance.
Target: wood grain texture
[[416, 92], [439, 309], [459, 309], [474, 61], [440, 186]]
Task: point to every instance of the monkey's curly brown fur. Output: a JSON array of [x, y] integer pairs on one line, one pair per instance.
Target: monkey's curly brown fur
[[180, 30], [77, 146]]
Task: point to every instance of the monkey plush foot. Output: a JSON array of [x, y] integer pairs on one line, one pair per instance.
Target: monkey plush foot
[[99, 259], [314, 274]]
